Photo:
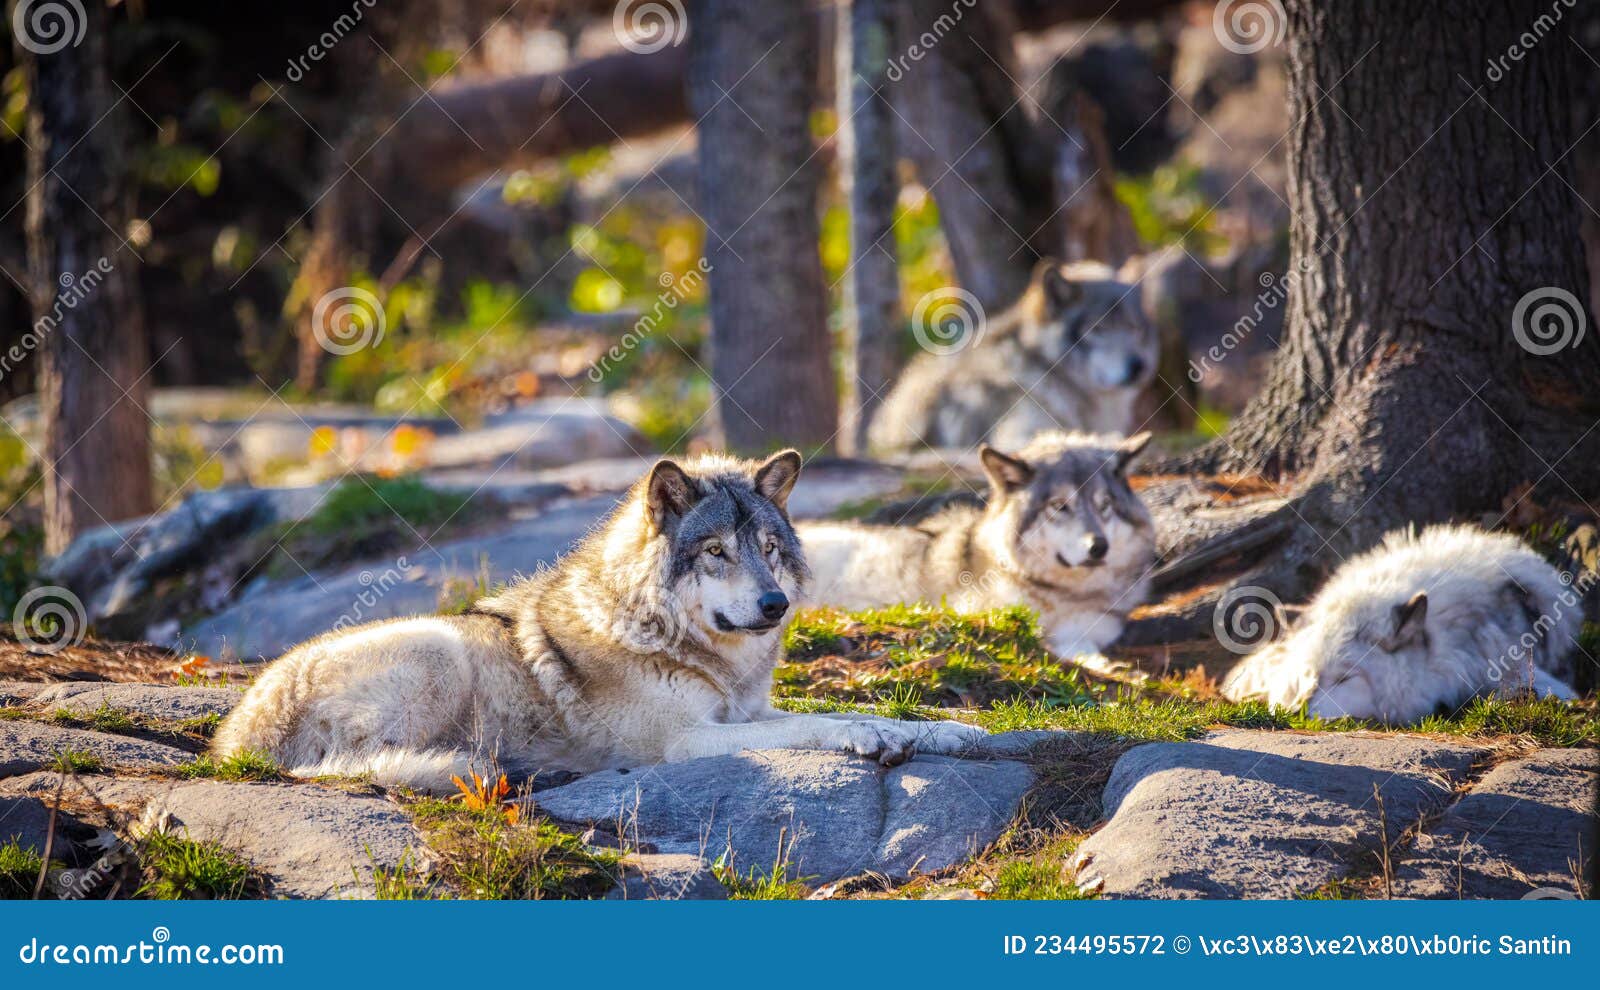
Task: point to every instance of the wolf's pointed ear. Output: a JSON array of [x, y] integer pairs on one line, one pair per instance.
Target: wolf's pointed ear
[[1129, 449], [1409, 621], [1059, 291], [1006, 473], [776, 476], [669, 492]]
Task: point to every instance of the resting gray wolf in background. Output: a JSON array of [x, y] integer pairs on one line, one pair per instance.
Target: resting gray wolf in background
[[1422, 624], [1074, 353], [653, 640], [1062, 532]]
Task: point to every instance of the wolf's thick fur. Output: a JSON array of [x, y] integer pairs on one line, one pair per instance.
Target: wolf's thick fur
[[654, 640], [1422, 624], [1074, 353], [1062, 532]]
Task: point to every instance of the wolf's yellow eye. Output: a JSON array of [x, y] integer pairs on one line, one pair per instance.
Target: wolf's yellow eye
[[714, 549], [772, 546]]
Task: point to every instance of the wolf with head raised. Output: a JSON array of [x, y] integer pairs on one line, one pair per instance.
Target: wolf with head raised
[[1074, 353], [1062, 532], [654, 640], [1420, 625]]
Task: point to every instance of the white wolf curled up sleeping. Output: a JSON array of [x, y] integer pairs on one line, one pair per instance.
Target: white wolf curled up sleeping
[[1422, 624]]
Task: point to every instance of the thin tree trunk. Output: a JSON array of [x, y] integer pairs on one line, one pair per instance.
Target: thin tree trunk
[[84, 286], [1434, 356], [867, 162], [752, 87]]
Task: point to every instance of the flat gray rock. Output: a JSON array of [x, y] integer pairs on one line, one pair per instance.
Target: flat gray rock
[[1520, 832], [12, 692], [667, 877], [835, 815], [1260, 814], [162, 702], [26, 746], [309, 841]]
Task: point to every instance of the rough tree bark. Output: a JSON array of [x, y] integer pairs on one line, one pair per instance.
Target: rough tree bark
[[1433, 358], [752, 87], [82, 280], [867, 161]]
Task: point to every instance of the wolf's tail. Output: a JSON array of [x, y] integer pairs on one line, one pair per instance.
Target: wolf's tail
[[428, 771]]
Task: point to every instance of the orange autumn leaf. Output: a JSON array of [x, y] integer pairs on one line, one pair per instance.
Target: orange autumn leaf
[[324, 441], [192, 666]]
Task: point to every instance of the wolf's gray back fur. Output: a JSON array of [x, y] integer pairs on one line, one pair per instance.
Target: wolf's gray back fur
[[1074, 353], [654, 639], [1061, 531]]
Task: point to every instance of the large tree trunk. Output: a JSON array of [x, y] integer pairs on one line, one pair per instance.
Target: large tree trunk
[[867, 163], [84, 287], [752, 87], [1434, 357]]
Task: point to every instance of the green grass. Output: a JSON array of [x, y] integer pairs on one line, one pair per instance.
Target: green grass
[[757, 884], [102, 719], [247, 765], [179, 868], [19, 870], [484, 857], [201, 725], [943, 657], [913, 661], [71, 761]]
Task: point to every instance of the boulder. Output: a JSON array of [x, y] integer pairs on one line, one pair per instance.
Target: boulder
[[27, 746], [1261, 814], [308, 841], [819, 815], [667, 877], [1521, 832]]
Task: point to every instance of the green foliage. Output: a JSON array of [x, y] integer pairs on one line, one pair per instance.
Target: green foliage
[[179, 868], [756, 884], [1169, 207], [19, 870], [21, 535], [102, 719]]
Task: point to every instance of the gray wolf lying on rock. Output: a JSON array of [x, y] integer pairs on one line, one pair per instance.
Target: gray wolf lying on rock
[[654, 640]]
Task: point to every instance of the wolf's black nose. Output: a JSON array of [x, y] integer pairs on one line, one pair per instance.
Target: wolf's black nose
[[773, 604], [1098, 547]]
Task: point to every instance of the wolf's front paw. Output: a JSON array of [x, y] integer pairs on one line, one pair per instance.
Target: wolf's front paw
[[948, 737], [886, 742]]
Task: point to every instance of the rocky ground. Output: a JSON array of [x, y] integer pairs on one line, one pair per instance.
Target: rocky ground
[[107, 781]]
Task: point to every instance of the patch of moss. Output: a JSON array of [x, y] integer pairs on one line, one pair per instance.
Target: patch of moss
[[71, 761], [367, 516]]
